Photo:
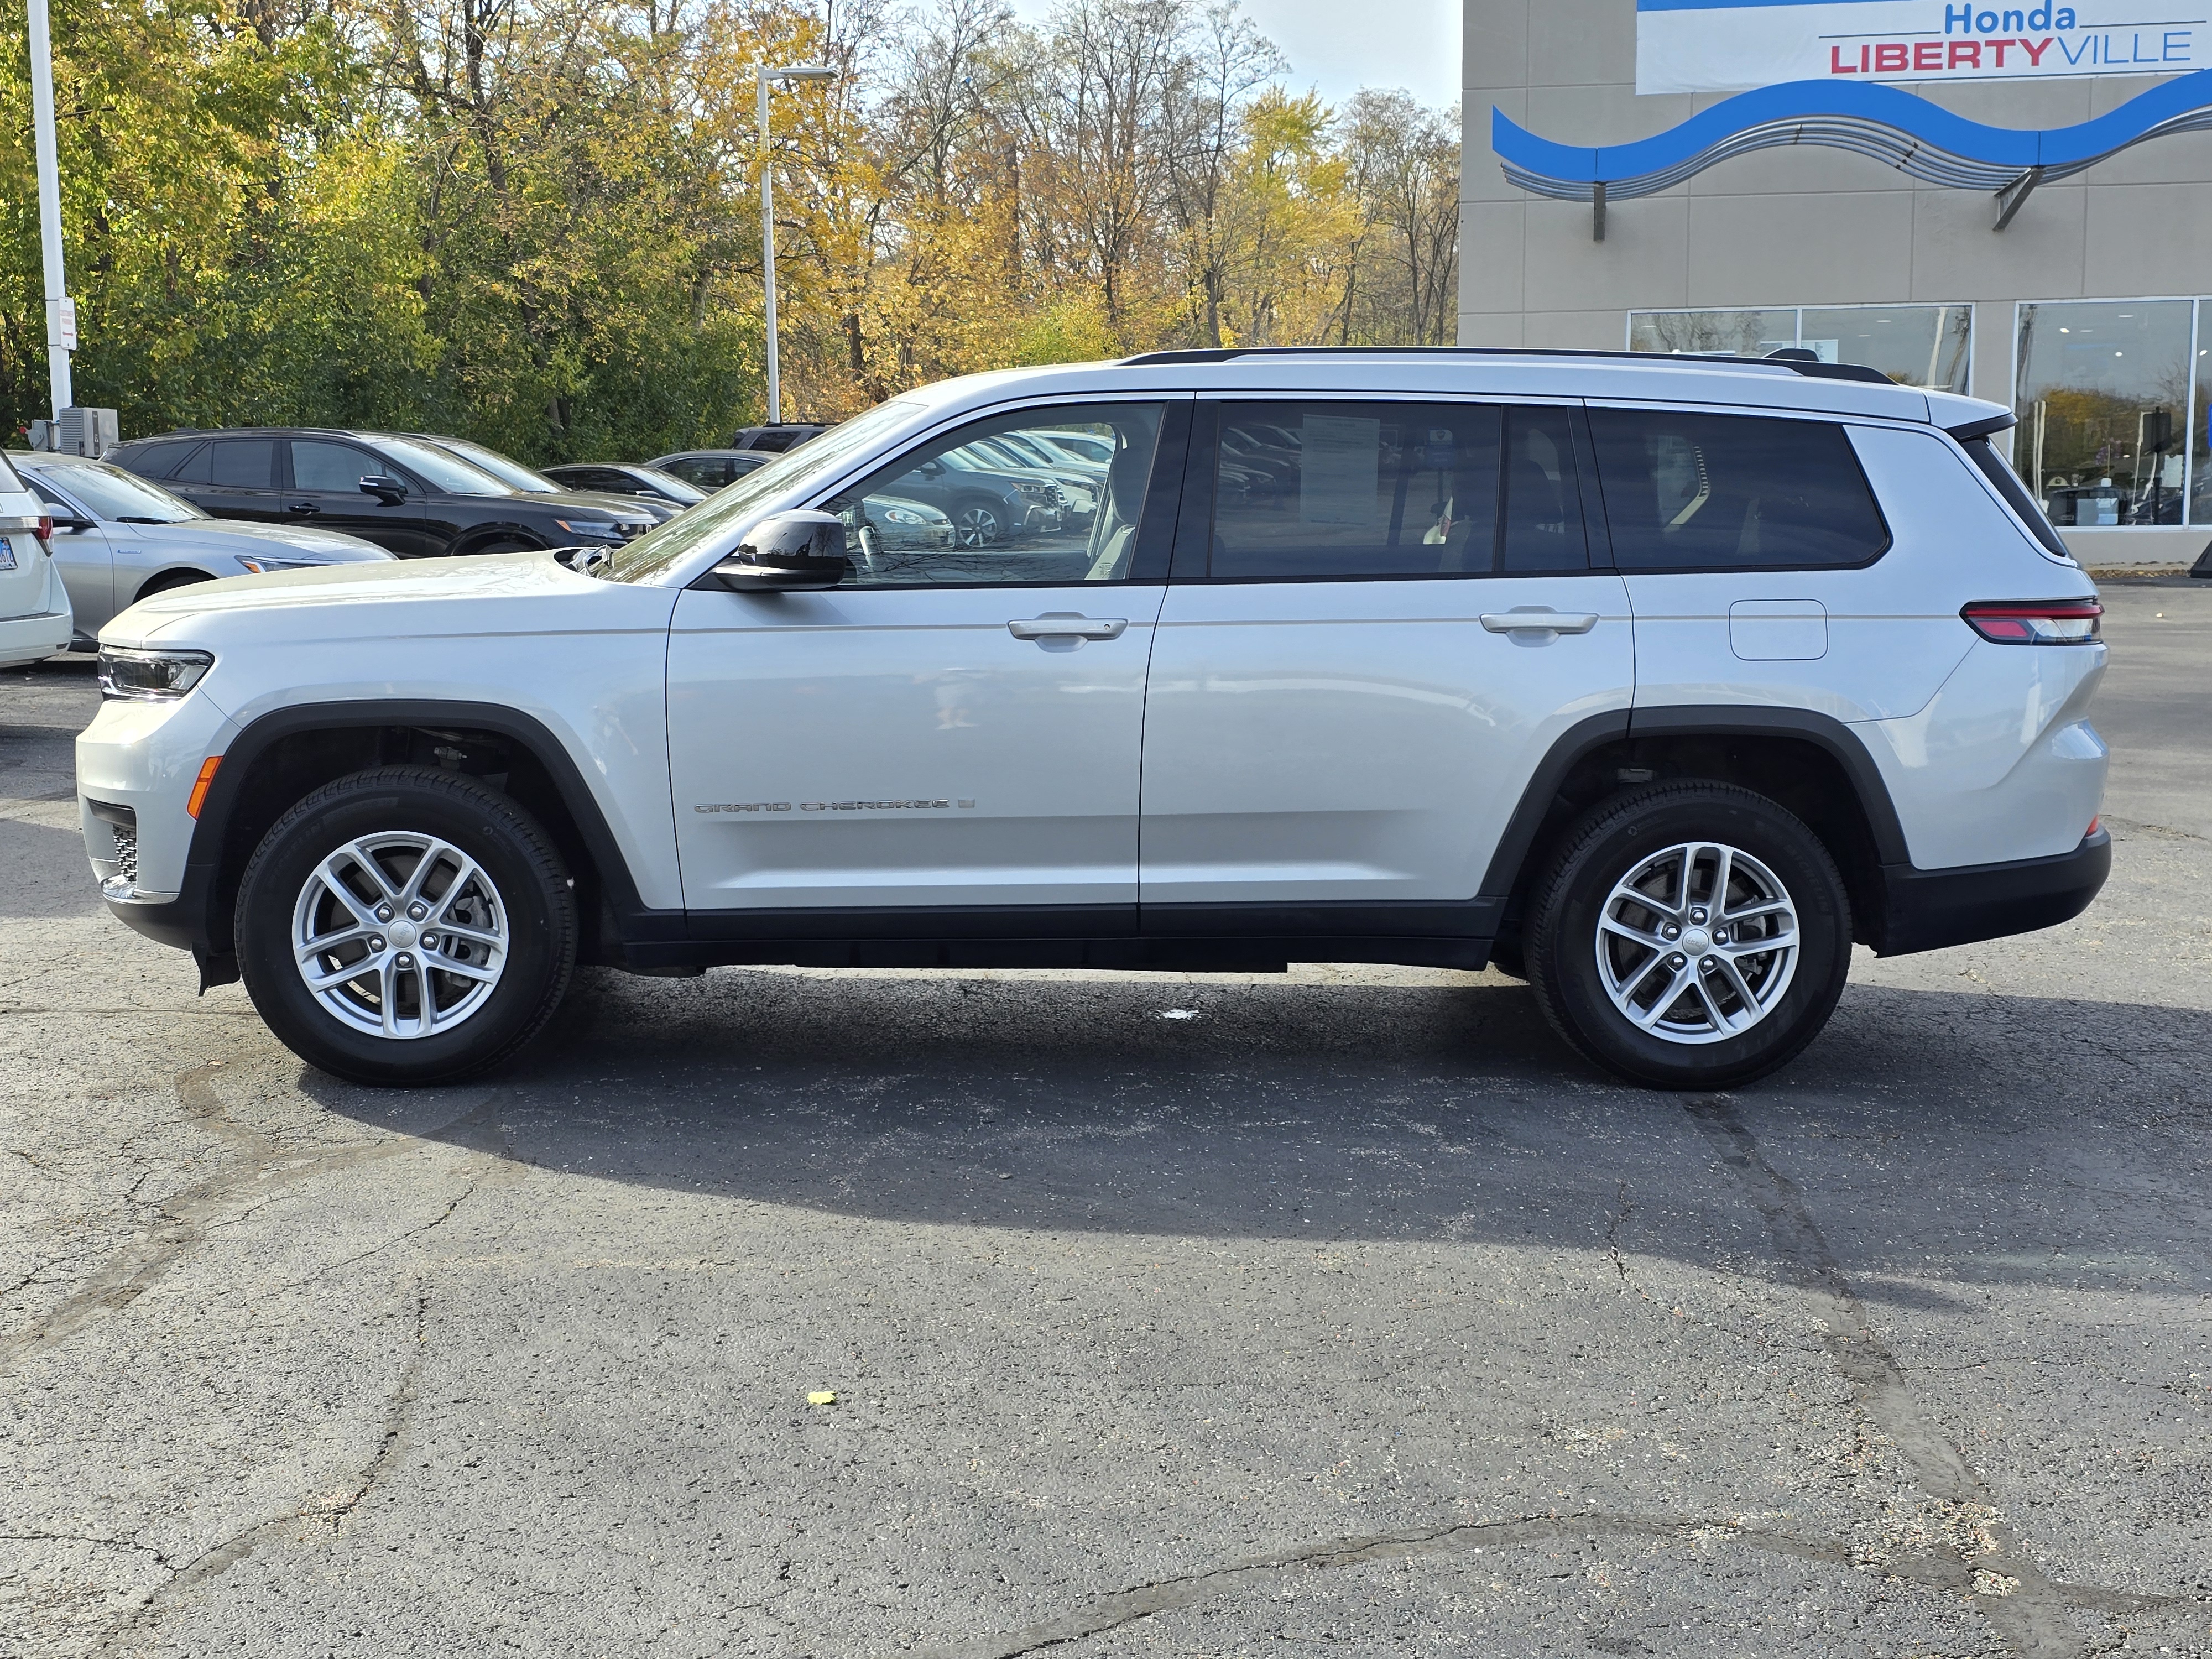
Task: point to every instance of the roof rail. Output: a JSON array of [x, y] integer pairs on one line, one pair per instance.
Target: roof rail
[[1795, 366]]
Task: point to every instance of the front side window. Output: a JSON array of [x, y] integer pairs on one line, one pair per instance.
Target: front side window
[[333, 468], [1342, 491], [441, 468], [1693, 491], [963, 509]]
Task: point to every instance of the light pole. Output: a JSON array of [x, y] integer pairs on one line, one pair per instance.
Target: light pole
[[61, 314], [795, 72]]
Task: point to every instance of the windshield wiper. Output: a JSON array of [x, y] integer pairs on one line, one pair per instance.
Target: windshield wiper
[[135, 518]]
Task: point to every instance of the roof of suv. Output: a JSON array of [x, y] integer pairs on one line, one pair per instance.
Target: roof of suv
[[1459, 371]]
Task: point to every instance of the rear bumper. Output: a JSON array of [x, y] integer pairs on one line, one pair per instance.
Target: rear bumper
[[29, 639], [1928, 909]]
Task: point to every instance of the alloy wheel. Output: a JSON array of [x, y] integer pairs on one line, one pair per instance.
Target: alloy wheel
[[1697, 943], [400, 935]]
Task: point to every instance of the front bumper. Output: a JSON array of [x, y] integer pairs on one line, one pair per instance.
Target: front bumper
[[1928, 909]]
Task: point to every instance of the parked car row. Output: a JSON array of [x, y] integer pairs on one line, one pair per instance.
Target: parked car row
[[82, 540]]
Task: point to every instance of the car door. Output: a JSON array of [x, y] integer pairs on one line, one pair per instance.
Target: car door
[[84, 553], [1368, 648], [1763, 570], [325, 475], [948, 731], [236, 479]]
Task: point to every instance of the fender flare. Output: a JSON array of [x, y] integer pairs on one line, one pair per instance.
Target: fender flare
[[1824, 732], [196, 907]]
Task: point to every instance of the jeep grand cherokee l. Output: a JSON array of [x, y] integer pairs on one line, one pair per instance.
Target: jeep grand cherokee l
[[1659, 680]]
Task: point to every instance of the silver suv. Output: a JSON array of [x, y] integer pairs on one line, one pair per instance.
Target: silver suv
[[1657, 681]]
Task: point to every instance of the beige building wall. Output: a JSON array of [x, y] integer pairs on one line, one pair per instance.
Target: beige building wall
[[1801, 226]]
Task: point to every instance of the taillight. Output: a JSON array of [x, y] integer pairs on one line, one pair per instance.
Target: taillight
[[46, 530], [2034, 622]]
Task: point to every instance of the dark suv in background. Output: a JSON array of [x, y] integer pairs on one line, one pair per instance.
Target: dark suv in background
[[417, 499]]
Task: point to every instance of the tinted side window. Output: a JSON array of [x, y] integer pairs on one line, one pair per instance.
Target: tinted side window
[[1686, 491], [155, 460], [195, 469], [244, 463], [1308, 492], [1541, 525], [705, 473], [337, 468]]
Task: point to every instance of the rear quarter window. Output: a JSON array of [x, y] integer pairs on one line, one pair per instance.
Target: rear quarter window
[[1685, 490]]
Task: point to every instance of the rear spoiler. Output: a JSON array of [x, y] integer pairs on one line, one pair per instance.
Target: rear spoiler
[[1984, 429]]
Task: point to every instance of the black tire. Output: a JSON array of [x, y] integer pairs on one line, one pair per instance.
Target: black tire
[[528, 884], [172, 581], [1563, 939]]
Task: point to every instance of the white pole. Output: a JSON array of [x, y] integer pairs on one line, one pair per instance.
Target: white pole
[[767, 250], [49, 211]]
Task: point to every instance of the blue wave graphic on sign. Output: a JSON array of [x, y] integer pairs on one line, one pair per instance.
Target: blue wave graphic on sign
[[1908, 132]]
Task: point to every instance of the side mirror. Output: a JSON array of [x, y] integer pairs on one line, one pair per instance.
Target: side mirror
[[791, 553], [931, 469], [71, 522], [384, 488]]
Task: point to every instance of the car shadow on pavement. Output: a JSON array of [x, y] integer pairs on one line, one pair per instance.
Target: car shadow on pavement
[[1331, 1112]]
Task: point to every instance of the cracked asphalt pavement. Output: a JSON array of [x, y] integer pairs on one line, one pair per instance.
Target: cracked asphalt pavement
[[1336, 1312]]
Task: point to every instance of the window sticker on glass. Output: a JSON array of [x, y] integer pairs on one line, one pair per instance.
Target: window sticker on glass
[[1340, 468]]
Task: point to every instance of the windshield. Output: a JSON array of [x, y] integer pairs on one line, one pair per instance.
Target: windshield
[[506, 471], [794, 469], [441, 468], [112, 493], [668, 483]]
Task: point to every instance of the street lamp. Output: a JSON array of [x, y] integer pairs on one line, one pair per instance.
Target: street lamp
[[795, 72], [61, 313]]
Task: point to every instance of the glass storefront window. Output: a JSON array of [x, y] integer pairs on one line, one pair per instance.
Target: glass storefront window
[[1929, 347], [2200, 422], [2103, 397]]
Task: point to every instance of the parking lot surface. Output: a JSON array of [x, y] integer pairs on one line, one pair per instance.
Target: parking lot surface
[[1336, 1312]]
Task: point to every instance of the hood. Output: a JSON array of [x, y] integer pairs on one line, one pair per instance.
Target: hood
[[277, 541], [490, 593], [628, 508]]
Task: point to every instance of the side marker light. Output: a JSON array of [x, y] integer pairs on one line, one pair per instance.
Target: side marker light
[[200, 785]]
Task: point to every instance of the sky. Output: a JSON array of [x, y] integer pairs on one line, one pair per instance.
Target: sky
[[1336, 48]]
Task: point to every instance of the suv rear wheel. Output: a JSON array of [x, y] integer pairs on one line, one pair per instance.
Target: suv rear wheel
[[1691, 936], [405, 927]]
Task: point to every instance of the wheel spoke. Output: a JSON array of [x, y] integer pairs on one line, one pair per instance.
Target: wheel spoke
[[1752, 1006], [1649, 1017], [388, 991], [1753, 912], [323, 943], [1712, 1005], [320, 982], [1649, 941], [448, 928], [362, 910], [1718, 900], [482, 974], [1737, 949]]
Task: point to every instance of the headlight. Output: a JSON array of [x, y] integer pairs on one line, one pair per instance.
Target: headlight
[[150, 674], [599, 527], [902, 515], [260, 566]]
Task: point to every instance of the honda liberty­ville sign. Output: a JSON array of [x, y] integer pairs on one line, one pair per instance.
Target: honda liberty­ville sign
[[1724, 46]]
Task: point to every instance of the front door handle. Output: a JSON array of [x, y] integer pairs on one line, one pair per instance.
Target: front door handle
[[1067, 625], [1539, 619], [303, 507]]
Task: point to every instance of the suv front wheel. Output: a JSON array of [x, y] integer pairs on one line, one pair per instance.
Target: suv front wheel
[[1690, 936], [405, 926]]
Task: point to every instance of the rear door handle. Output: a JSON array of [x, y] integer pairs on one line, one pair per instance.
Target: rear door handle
[[1066, 625], [303, 507], [1539, 619]]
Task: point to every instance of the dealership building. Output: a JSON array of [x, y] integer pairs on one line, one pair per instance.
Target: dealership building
[[2014, 202]]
